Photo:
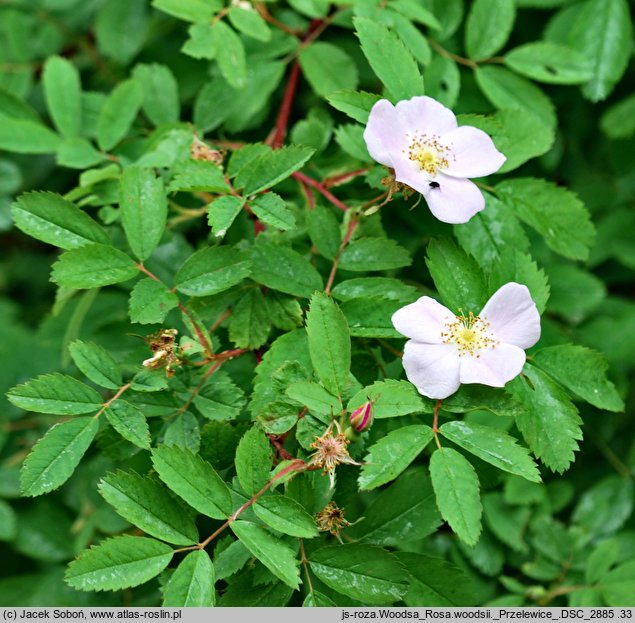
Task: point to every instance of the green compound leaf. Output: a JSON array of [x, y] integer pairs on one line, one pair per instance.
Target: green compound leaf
[[493, 446], [117, 563], [554, 212], [391, 398], [144, 210], [55, 457], [374, 254], [63, 95], [24, 136], [457, 491], [457, 276], [147, 504], [403, 511], [129, 422], [272, 167], [213, 270], [602, 31], [489, 24], [583, 371], [436, 582], [119, 111], [272, 210], [93, 266], [57, 394], [96, 363], [192, 583], [193, 479], [328, 68], [150, 302], [160, 93], [551, 424], [329, 343], [285, 515], [356, 104], [284, 269], [390, 60], [367, 573], [253, 461], [392, 454], [548, 62], [50, 218], [273, 553]]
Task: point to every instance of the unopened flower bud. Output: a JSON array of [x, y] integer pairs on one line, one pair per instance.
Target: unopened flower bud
[[362, 418]]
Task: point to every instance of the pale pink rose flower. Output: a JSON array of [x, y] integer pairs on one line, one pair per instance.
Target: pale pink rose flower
[[445, 350], [419, 138]]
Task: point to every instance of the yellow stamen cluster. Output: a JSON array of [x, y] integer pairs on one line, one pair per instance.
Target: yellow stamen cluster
[[428, 153], [470, 333]]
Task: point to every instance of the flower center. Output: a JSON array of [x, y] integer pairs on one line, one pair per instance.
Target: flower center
[[428, 153], [470, 333]]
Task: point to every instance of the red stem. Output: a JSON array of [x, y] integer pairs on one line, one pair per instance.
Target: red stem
[[352, 226], [285, 108], [319, 186]]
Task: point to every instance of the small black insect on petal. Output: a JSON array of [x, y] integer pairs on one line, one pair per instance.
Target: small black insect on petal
[[434, 185]]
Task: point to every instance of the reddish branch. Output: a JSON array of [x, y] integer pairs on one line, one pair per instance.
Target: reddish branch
[[321, 188], [285, 108], [352, 226]]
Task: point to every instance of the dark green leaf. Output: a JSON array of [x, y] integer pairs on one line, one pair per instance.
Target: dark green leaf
[[96, 363], [315, 397], [193, 479], [118, 113], [356, 104], [63, 94], [50, 218], [144, 210], [24, 136], [391, 398], [285, 515], [198, 11], [488, 27], [121, 28], [363, 572], [457, 492], [222, 212], [248, 21], [160, 93], [374, 254], [249, 323], [253, 461], [198, 175], [192, 583], [150, 301], [129, 422], [272, 210], [93, 266], [55, 457], [550, 62], [117, 563], [618, 586], [230, 54], [328, 68]]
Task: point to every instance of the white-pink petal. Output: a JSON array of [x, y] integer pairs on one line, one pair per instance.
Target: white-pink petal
[[453, 200], [513, 316], [494, 366], [423, 321], [385, 135], [432, 368], [472, 153], [425, 115]]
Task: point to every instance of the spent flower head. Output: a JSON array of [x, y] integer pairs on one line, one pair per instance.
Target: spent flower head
[[331, 450], [420, 139], [445, 350]]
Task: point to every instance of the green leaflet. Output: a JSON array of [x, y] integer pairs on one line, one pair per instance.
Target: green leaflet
[[272, 210], [150, 301], [551, 424], [129, 422], [213, 270], [328, 68], [488, 27], [249, 22], [147, 504], [356, 104], [96, 363], [550, 62], [50, 218], [144, 210], [57, 394], [24, 136], [374, 254], [193, 479], [192, 583], [315, 397], [583, 371], [54, 458], [253, 461], [62, 91], [276, 555], [363, 572], [118, 113], [249, 324], [117, 563], [493, 446], [391, 398], [389, 59], [93, 266], [456, 488], [285, 515], [329, 343], [392, 454], [160, 93]]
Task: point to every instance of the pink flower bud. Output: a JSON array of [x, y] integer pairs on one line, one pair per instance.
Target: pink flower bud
[[362, 418]]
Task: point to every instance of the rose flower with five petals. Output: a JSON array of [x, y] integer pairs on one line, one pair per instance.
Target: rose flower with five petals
[[420, 139], [445, 350]]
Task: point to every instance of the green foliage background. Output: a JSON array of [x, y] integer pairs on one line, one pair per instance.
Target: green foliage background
[[110, 230]]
